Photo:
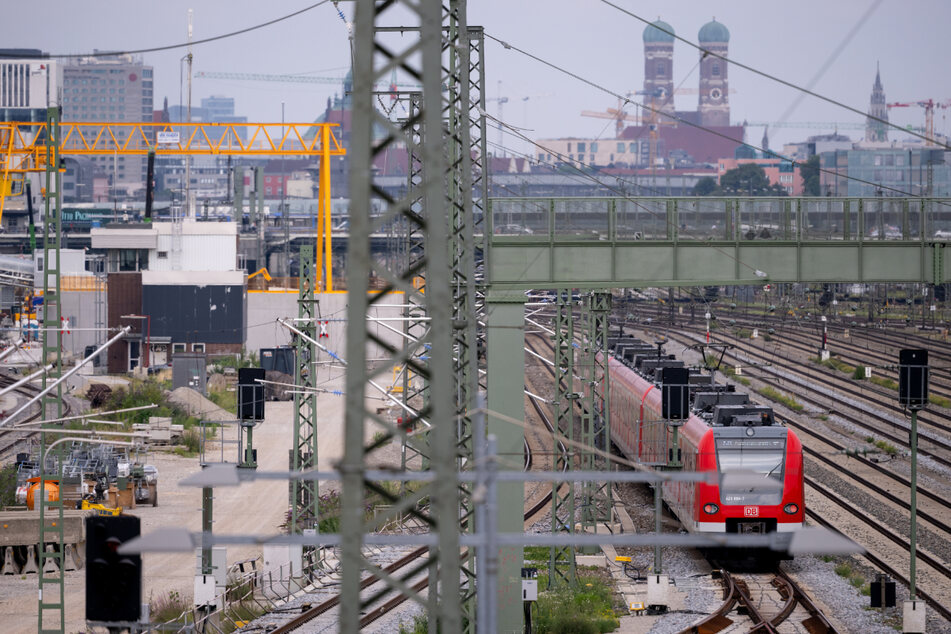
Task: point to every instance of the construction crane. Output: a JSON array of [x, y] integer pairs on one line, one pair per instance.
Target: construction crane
[[929, 105], [23, 148], [809, 125], [392, 85]]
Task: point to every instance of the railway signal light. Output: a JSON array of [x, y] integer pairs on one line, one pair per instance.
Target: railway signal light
[[913, 378], [113, 581]]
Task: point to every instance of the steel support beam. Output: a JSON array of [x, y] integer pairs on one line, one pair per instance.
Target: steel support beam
[[417, 52], [505, 330], [561, 560], [595, 423], [305, 495]]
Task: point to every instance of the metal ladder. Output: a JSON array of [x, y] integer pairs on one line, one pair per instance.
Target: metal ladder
[[51, 612]]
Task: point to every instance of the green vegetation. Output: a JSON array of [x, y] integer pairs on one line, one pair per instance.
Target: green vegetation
[[841, 366], [225, 399], [590, 608], [779, 397], [242, 361], [147, 392], [537, 553], [167, 608], [940, 401], [859, 373], [883, 382], [420, 625], [8, 485], [744, 333], [810, 176], [855, 579], [746, 180], [731, 373], [887, 447]]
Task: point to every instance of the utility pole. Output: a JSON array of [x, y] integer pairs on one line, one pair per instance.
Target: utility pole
[[913, 394], [188, 158]]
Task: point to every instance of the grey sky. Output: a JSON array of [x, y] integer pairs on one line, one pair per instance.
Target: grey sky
[[791, 40]]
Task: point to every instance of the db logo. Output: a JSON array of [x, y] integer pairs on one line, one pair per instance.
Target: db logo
[[751, 511]]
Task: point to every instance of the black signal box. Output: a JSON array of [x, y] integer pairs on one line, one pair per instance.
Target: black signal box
[[913, 378], [675, 393], [250, 393], [113, 581]]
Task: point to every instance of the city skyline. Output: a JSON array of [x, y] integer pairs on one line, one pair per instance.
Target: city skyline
[[594, 40]]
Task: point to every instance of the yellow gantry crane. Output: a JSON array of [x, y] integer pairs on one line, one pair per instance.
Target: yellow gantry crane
[[23, 147]]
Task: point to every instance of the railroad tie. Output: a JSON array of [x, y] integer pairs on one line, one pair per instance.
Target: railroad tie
[[50, 567], [8, 566], [30, 565]]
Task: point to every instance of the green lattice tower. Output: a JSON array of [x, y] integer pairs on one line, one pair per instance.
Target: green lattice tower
[[457, 109], [415, 47], [305, 494], [595, 423], [561, 559], [415, 393], [51, 612]]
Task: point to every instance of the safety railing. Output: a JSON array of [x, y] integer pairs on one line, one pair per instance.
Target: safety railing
[[720, 219]]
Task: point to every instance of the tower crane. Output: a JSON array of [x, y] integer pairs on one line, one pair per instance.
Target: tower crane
[[929, 105]]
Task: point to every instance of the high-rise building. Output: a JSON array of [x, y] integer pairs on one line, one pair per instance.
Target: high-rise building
[[877, 130], [113, 89], [714, 106], [659, 66]]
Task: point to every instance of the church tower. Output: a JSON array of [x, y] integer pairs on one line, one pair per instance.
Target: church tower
[[659, 66], [714, 106], [876, 130]]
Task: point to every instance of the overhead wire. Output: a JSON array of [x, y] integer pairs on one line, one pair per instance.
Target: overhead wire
[[708, 130], [788, 84], [170, 47], [831, 59]]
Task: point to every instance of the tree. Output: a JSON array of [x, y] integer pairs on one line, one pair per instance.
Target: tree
[[749, 179], [706, 186], [810, 176]]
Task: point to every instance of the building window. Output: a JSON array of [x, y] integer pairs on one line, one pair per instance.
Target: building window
[[198, 347], [591, 159], [569, 147], [580, 147], [620, 148], [267, 191], [163, 255], [715, 71], [661, 69], [177, 348], [633, 148], [594, 147]]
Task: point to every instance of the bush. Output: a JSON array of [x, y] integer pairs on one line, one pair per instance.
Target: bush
[[8, 485], [167, 608], [139, 393], [586, 609], [420, 625]]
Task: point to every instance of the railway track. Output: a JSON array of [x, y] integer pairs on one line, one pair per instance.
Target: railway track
[[403, 564], [933, 569], [10, 442], [767, 600], [781, 380]]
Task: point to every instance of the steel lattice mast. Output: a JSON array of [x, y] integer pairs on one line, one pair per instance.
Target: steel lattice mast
[[418, 54], [595, 423], [561, 563], [305, 493]]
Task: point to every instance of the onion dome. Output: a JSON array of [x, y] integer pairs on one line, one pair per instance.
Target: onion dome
[[714, 32], [653, 32]]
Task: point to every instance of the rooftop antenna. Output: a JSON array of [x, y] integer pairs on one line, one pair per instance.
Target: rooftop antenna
[[188, 160]]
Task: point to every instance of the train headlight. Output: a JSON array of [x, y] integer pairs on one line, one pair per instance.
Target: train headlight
[[792, 509], [710, 509]]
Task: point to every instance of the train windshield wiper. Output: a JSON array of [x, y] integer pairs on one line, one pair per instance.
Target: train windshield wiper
[[770, 472]]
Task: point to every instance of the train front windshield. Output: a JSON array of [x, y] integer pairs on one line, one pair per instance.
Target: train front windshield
[[764, 456]]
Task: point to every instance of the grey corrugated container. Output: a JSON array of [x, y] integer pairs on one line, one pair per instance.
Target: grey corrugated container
[[188, 370]]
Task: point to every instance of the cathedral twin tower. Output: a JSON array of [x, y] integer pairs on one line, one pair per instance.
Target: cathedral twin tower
[[714, 103]]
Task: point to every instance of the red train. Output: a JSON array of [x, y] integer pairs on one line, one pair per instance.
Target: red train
[[724, 432]]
